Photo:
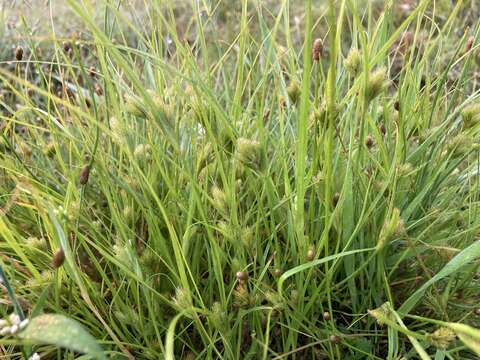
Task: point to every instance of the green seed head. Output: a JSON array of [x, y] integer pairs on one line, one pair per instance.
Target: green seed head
[[293, 91], [219, 198], [377, 82], [471, 115], [393, 227], [353, 62], [442, 337], [135, 106], [246, 150]]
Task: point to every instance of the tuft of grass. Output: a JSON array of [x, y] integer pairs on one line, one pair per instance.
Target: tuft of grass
[[243, 180]]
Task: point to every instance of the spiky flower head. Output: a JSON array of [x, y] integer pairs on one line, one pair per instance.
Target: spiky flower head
[[219, 198], [471, 115], [142, 152], [377, 82], [135, 106], [353, 62], [442, 337], [247, 151], [293, 91], [382, 314], [182, 298], [393, 226]]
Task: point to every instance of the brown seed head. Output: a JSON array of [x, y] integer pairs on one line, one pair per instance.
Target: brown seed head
[[469, 44], [92, 71], [383, 129], [242, 276], [66, 46], [369, 142], [335, 199], [98, 89], [335, 339], [277, 272], [310, 254], [317, 48], [396, 105], [58, 258], [84, 175], [477, 311], [326, 316], [19, 53]]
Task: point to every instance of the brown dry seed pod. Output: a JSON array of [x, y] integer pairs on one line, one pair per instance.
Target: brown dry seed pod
[[98, 90], [58, 258], [317, 49], [91, 71], [383, 129], [369, 142], [310, 254], [335, 339], [66, 46], [19, 53], [242, 275], [84, 175], [469, 43], [396, 105]]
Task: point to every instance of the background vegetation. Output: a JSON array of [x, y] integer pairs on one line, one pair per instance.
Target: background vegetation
[[241, 179]]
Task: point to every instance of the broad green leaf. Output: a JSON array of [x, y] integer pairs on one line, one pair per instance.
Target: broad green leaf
[[58, 330], [463, 258]]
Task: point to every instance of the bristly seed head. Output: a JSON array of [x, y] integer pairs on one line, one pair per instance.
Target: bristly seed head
[[353, 62], [471, 115], [377, 82], [58, 258], [317, 49]]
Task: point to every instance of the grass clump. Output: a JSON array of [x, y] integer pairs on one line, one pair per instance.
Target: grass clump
[[281, 186]]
